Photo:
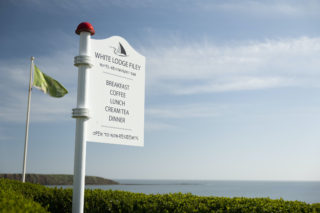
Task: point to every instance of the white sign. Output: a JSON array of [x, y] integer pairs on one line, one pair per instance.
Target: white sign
[[116, 94]]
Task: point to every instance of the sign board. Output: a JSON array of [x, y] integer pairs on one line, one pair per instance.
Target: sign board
[[116, 93]]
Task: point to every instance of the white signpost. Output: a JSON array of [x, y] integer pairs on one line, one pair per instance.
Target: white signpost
[[116, 95], [110, 99]]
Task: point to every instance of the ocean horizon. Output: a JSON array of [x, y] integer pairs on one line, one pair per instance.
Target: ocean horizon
[[306, 191]]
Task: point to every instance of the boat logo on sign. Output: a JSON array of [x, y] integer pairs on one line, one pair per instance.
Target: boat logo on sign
[[120, 51]]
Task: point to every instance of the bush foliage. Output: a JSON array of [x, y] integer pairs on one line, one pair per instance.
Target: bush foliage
[[11, 201], [26, 197]]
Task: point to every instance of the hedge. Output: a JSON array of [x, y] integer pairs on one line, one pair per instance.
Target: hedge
[[11, 201], [26, 196]]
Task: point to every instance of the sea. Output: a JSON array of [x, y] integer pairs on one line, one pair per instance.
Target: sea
[[308, 192]]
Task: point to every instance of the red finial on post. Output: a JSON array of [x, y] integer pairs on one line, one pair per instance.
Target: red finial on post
[[85, 26]]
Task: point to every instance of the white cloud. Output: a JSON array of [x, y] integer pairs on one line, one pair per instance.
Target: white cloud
[[246, 83], [85, 5], [252, 7], [157, 117], [264, 8], [186, 111], [205, 67], [158, 126], [180, 69]]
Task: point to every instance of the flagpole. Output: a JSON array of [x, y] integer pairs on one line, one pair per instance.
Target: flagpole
[[27, 125]]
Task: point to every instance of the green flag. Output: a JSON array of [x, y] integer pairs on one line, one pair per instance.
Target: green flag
[[47, 84]]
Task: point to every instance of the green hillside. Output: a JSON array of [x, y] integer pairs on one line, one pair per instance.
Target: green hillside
[[53, 179]]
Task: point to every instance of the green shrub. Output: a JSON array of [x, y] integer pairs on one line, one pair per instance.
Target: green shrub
[[60, 200], [54, 199], [12, 201]]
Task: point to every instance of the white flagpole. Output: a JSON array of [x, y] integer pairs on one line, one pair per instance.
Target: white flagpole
[[81, 113], [27, 125]]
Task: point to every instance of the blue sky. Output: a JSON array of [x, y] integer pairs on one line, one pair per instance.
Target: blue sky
[[232, 88]]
